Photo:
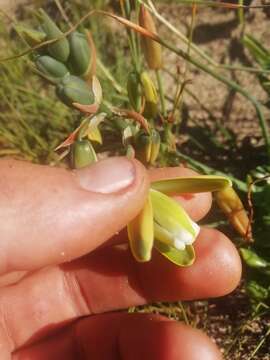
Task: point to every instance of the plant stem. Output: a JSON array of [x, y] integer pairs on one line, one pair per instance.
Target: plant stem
[[161, 93]]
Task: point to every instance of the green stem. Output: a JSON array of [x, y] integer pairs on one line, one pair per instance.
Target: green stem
[[241, 15], [161, 93]]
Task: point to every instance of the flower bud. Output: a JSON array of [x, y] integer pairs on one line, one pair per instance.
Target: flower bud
[[51, 67], [151, 49], [134, 91], [32, 37], [143, 147], [80, 54], [82, 154], [147, 147], [59, 49], [151, 96], [72, 89], [230, 203], [253, 260]]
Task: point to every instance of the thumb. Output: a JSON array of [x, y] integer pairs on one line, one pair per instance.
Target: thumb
[[52, 215]]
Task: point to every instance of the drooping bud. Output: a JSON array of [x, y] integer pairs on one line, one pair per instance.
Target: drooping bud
[[59, 49], [151, 49], [31, 36], [141, 233], [82, 154], [72, 89], [254, 260], [230, 203], [147, 146], [134, 91], [51, 67], [143, 147], [80, 54], [151, 96]]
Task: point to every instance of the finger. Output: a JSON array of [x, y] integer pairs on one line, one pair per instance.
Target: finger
[[110, 279], [197, 205], [51, 215], [124, 336]]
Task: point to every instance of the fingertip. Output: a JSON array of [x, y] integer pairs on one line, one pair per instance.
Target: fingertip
[[151, 337], [170, 172], [219, 259]]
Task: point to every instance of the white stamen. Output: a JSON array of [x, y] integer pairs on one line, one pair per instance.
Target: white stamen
[[179, 244]]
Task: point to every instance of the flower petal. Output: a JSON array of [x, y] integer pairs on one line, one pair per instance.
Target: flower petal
[[193, 184], [170, 215], [184, 257], [141, 233]]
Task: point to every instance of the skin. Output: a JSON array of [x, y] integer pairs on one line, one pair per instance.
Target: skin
[[66, 270]]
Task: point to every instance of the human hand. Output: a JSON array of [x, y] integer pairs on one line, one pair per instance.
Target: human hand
[[63, 271]]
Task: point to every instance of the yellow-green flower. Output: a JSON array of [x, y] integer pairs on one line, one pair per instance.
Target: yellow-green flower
[[165, 225]]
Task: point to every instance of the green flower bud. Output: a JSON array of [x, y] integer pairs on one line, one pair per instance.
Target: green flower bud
[[254, 260], [72, 89], [147, 147], [82, 154], [32, 37], [80, 54], [51, 67], [134, 91], [59, 49], [143, 148], [151, 96]]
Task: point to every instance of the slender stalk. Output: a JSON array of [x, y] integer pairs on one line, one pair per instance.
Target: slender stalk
[[241, 15], [161, 92]]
